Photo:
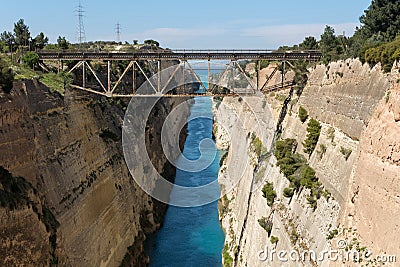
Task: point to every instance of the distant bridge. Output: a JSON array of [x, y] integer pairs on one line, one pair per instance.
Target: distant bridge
[[109, 88]]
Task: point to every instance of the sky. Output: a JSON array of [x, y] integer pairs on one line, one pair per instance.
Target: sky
[[206, 24]]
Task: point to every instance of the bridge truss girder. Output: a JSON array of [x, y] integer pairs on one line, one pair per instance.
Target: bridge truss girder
[[109, 87]]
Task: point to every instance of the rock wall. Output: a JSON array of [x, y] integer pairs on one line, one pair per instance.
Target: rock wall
[[342, 97], [69, 149], [374, 199]]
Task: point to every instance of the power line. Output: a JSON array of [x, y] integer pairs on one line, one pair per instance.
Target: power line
[[81, 36], [118, 32]]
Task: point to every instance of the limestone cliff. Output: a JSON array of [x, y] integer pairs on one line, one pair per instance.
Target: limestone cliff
[[356, 161], [69, 150]]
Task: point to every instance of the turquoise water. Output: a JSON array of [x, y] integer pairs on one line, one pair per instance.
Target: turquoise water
[[191, 236]]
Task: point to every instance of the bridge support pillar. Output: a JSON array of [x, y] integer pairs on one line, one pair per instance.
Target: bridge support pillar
[[84, 75], [209, 76], [159, 76], [258, 74], [109, 76], [133, 77]]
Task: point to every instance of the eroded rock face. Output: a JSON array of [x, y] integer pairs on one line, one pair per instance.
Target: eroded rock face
[[349, 100], [374, 200], [69, 148]]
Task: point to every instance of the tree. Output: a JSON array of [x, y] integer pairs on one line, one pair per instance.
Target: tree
[[314, 130], [31, 59], [152, 42], [62, 42], [40, 41], [8, 38], [309, 43], [303, 114], [382, 16], [6, 77], [22, 34], [327, 44]]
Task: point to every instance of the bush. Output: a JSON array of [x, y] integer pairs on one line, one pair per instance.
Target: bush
[[284, 148], [303, 114], [6, 77], [274, 240], [308, 178], [257, 145], [314, 130], [228, 260], [332, 234], [386, 54], [346, 152], [31, 59], [288, 192], [266, 224], [269, 193]]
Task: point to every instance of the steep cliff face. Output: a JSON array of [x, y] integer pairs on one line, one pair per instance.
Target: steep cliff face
[[69, 149], [342, 97], [374, 199]]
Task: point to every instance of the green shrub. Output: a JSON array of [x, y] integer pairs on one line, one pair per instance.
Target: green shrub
[[294, 236], [322, 150], [330, 134], [274, 240], [385, 53], [346, 152], [6, 77], [308, 178], [269, 193], [31, 59], [288, 192], [283, 148], [228, 260], [303, 114], [266, 224], [332, 234], [314, 130], [257, 145]]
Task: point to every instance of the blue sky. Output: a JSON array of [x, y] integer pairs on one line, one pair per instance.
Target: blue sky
[[189, 24]]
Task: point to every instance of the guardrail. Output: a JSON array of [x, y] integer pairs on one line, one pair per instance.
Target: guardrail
[[184, 55]]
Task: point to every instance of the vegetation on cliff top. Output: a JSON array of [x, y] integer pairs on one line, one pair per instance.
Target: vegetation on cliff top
[[376, 41]]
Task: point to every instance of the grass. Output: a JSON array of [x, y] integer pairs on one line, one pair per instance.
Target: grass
[[23, 72], [57, 82]]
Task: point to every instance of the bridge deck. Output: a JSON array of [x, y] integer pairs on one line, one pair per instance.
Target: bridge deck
[[184, 55]]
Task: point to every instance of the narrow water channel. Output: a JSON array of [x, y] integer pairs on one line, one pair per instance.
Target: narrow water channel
[[191, 236]]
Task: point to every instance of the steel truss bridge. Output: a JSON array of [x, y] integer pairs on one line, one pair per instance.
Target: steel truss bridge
[[110, 88]]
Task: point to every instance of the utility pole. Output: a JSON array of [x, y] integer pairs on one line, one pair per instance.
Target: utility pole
[[80, 27], [118, 32]]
